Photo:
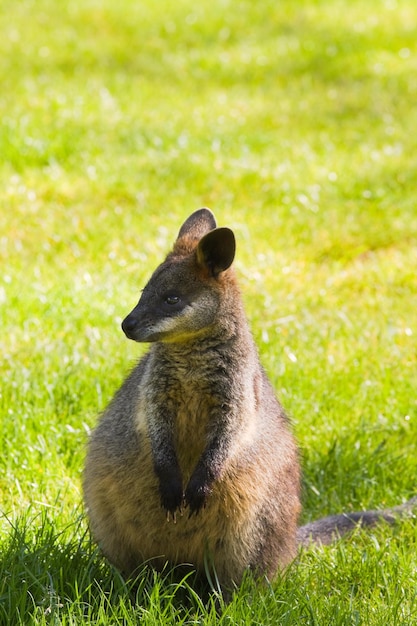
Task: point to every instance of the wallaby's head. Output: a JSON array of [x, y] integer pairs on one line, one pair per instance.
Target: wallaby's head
[[184, 295]]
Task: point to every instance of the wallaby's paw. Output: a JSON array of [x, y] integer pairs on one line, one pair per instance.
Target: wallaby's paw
[[172, 498], [196, 496]]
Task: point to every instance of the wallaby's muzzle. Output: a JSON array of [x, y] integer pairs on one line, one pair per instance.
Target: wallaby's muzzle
[[130, 326]]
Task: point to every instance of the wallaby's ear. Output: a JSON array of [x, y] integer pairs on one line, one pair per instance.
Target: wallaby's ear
[[216, 250], [198, 224]]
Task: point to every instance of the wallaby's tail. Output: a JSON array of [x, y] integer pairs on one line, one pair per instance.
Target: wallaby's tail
[[327, 529]]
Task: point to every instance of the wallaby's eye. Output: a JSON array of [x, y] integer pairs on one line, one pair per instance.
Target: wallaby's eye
[[172, 300]]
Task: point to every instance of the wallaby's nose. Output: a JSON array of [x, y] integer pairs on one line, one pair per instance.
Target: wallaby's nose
[[129, 324]]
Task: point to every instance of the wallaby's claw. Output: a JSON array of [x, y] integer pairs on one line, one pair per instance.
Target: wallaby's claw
[[172, 514]]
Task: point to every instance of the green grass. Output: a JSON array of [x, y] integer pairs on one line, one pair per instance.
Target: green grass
[[295, 122]]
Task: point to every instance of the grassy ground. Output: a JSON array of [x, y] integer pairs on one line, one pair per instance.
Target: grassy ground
[[295, 122]]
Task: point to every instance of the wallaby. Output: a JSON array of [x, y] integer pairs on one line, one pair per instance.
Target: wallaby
[[194, 460]]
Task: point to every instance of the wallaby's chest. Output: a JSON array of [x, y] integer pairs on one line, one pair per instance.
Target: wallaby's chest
[[186, 389], [191, 425]]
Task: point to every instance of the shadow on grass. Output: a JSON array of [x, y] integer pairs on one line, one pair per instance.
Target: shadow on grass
[[47, 571], [51, 574]]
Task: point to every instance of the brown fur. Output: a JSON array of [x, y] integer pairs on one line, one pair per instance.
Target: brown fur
[[195, 434]]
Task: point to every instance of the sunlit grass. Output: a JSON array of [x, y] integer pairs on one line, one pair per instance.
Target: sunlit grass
[[295, 123]]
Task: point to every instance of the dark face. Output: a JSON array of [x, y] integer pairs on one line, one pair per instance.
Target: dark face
[[175, 305]]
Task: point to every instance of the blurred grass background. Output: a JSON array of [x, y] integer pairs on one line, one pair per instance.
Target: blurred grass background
[[295, 123]]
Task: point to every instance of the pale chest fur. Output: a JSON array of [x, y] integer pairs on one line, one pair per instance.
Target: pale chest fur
[[190, 428]]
